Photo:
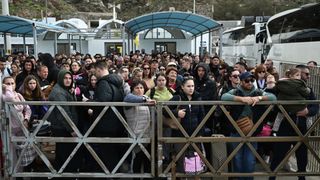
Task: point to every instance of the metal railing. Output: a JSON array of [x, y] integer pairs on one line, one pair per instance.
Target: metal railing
[[243, 140], [12, 170], [155, 155]]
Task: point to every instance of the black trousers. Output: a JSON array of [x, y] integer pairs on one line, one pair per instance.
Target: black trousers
[[63, 150], [281, 149]]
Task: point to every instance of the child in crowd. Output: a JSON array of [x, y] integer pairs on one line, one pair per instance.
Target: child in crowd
[[291, 88]]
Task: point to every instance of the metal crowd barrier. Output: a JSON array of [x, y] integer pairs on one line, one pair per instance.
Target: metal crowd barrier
[[12, 170], [187, 140], [156, 141]]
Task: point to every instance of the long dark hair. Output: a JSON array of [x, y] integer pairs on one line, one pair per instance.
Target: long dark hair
[[27, 93]]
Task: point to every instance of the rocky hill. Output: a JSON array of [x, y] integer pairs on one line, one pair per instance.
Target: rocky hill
[[217, 9]]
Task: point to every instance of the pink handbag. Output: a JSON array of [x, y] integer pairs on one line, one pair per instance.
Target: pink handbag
[[194, 164], [266, 130]]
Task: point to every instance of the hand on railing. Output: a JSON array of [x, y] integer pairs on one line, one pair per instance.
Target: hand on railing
[[303, 112], [182, 113], [151, 101], [84, 99]]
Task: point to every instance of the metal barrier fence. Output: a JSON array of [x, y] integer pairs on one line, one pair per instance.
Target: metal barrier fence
[[243, 140], [155, 155], [32, 139]]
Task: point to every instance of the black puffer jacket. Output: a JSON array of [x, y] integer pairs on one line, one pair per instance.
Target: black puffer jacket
[[62, 93], [109, 89], [194, 114]]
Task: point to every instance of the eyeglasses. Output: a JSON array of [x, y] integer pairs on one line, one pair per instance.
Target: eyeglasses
[[235, 76], [262, 72], [249, 80]]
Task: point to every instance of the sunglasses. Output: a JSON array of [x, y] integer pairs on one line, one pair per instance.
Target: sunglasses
[[249, 80], [235, 76], [262, 72], [307, 74]]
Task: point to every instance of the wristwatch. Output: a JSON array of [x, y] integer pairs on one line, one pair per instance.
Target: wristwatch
[[260, 98]]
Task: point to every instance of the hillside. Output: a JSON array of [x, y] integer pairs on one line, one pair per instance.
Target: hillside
[[217, 9]]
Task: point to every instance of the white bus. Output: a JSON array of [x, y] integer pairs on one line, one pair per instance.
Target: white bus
[[240, 42], [294, 35]]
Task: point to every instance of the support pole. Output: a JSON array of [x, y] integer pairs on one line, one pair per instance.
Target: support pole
[[128, 43], [220, 41], [35, 41], [80, 44], [5, 43], [201, 43], [7, 36], [123, 40], [24, 44], [69, 42], [195, 45], [55, 44], [132, 44], [210, 43]]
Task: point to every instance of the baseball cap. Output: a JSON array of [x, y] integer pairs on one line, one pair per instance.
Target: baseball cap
[[245, 75]]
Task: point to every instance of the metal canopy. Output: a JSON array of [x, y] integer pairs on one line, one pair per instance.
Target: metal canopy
[[18, 25], [189, 22]]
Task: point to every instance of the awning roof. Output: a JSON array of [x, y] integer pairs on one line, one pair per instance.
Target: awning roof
[[189, 22], [18, 25]]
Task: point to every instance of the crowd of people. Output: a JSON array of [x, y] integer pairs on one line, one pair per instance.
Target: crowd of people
[[138, 78]]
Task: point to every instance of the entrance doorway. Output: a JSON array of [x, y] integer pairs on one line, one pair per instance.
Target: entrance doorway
[[170, 47], [112, 48], [63, 48]]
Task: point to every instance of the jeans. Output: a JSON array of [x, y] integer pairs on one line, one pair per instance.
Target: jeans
[[244, 161]]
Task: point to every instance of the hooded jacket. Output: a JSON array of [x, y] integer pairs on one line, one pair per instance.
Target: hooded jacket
[[47, 60], [205, 86], [62, 93], [21, 76], [109, 89]]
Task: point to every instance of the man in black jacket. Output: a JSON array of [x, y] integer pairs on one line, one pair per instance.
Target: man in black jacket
[[109, 89]]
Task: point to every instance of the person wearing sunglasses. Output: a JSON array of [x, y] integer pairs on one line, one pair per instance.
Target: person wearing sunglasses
[[244, 160], [232, 82], [260, 74], [147, 76]]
